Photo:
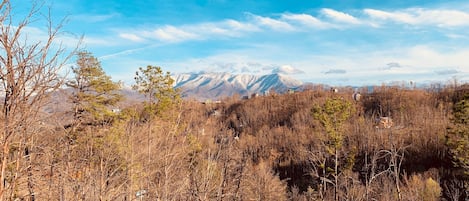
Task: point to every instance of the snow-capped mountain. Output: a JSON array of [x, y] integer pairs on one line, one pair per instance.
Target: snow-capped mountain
[[218, 85]]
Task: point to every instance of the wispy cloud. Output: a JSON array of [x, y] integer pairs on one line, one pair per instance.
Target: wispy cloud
[[446, 71], [392, 65], [371, 44], [340, 16], [294, 22], [304, 19], [126, 52], [287, 69], [456, 36], [171, 34], [420, 16], [226, 28], [200, 31], [335, 71], [271, 23], [368, 70], [131, 37], [427, 56], [239, 26], [287, 22], [417, 60]]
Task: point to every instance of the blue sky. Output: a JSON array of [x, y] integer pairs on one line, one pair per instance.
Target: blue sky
[[339, 42]]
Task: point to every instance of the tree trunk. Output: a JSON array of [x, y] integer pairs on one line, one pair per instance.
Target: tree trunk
[[17, 170], [30, 174], [6, 153], [101, 179], [336, 174], [367, 186], [324, 183]]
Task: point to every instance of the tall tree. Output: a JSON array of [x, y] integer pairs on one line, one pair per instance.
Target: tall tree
[[29, 70], [94, 94], [332, 116], [94, 91], [458, 132], [157, 86]]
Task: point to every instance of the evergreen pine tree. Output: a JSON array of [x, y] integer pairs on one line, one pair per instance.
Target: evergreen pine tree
[[332, 116], [93, 91], [458, 133], [157, 86]]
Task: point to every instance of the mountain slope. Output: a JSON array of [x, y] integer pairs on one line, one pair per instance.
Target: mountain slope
[[218, 85]]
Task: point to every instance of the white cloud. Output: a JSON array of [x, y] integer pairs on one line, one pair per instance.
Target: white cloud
[[456, 36], [227, 28], [419, 16], [426, 56], [291, 22], [131, 37], [392, 65], [335, 71], [418, 63], [446, 71], [125, 52], [240, 26], [287, 22], [305, 19], [273, 23], [171, 34], [212, 29], [382, 62], [396, 16], [200, 31], [287, 69], [340, 16]]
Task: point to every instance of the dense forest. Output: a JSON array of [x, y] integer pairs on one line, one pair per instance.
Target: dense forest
[[310, 145], [390, 143]]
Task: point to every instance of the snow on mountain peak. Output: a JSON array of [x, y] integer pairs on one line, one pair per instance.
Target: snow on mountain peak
[[217, 85]]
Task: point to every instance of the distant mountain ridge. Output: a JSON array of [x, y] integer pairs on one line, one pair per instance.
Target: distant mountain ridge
[[199, 86], [218, 85]]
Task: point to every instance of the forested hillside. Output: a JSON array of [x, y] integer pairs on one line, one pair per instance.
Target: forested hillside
[[266, 148], [391, 143]]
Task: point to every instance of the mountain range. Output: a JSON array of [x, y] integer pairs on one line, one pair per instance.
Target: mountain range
[[204, 86], [198, 86]]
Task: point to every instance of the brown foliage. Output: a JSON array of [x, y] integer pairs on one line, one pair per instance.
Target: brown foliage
[[266, 148]]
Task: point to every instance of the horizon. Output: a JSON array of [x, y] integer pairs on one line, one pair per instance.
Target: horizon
[[334, 42], [391, 83]]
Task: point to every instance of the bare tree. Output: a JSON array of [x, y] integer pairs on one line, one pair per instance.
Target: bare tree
[[318, 159], [29, 70], [454, 189]]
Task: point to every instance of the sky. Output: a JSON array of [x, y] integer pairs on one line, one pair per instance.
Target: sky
[[337, 42]]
